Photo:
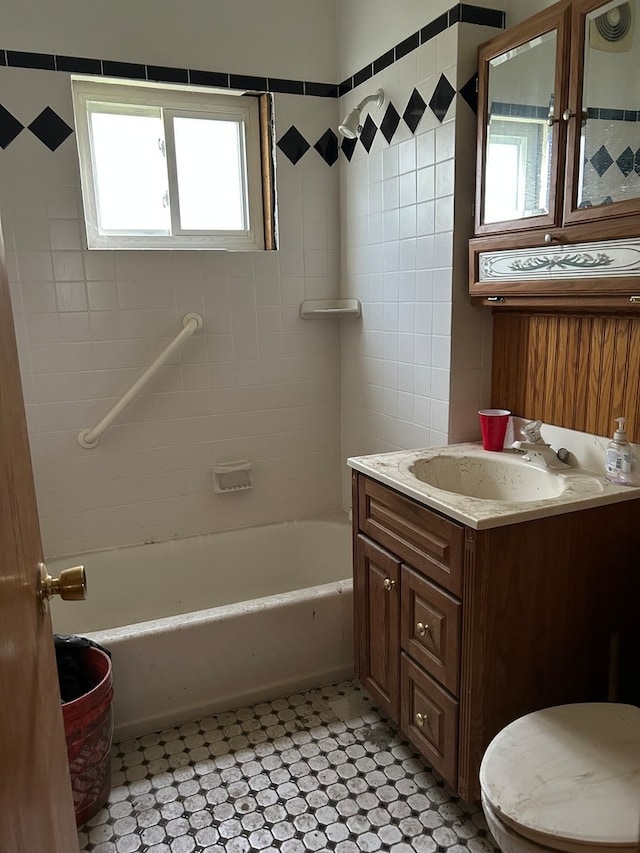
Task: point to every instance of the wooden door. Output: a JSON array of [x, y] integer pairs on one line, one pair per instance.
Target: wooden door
[[377, 624], [36, 805]]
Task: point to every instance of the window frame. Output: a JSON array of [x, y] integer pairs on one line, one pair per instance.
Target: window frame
[[248, 110]]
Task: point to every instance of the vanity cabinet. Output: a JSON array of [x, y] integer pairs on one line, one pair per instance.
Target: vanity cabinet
[[460, 631], [557, 210]]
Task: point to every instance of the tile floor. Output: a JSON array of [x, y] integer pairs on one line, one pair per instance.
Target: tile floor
[[315, 771]]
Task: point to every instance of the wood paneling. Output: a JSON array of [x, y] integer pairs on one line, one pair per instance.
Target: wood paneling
[[575, 371]]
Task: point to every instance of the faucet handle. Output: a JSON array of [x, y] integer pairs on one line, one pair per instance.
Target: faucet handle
[[531, 431]]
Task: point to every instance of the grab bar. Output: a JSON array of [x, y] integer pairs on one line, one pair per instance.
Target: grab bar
[[90, 437]]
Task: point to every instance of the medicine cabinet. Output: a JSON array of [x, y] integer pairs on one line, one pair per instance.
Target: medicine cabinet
[[559, 156]]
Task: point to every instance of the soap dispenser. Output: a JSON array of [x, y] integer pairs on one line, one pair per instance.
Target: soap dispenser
[[618, 456]]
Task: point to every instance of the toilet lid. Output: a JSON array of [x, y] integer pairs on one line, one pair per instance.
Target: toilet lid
[[568, 776]]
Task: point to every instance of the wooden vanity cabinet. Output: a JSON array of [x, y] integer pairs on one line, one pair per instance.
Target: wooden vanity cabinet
[[458, 631]]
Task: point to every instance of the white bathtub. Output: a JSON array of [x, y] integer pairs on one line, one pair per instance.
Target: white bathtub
[[205, 624]]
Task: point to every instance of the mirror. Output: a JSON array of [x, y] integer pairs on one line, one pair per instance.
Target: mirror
[[610, 139], [518, 147]]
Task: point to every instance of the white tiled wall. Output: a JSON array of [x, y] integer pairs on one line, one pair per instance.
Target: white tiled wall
[[257, 383], [416, 370]]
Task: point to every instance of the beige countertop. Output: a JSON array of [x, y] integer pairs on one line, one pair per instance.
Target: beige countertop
[[581, 488]]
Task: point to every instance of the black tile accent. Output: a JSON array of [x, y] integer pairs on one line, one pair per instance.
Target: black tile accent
[[3, 57], [483, 17], [368, 133], [321, 90], [601, 160], [414, 110], [636, 162], [454, 14], [209, 78], [441, 99], [348, 147], [625, 161], [293, 144], [611, 115], [124, 69], [363, 75], [383, 61], [327, 147], [10, 127], [78, 64], [407, 45], [167, 75], [19, 59], [593, 112], [470, 92], [390, 122], [245, 81], [291, 87], [50, 128], [438, 25], [345, 86], [631, 115]]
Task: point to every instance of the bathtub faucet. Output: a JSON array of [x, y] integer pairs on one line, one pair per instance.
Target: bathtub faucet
[[536, 451]]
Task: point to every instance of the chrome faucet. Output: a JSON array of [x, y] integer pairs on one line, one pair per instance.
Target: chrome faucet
[[537, 451]]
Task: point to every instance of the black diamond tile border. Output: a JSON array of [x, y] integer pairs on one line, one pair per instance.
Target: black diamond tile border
[[327, 147], [50, 128], [314, 771], [293, 144], [601, 160], [348, 146], [10, 127], [441, 99], [414, 111], [390, 122], [368, 134]]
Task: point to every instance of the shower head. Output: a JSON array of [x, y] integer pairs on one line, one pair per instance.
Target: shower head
[[351, 126]]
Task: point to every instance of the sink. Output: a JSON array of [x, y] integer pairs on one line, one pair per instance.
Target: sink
[[492, 477]]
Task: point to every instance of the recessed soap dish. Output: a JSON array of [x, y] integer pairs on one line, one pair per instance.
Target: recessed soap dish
[[232, 476]]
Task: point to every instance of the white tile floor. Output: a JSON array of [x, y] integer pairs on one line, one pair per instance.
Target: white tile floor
[[315, 771]]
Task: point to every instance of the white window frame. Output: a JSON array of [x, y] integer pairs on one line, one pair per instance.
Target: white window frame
[[181, 101]]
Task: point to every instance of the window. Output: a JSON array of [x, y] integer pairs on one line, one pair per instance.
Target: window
[[173, 167]]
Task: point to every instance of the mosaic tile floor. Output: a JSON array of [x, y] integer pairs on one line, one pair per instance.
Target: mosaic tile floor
[[315, 771]]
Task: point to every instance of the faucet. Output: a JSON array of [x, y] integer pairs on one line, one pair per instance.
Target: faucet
[[537, 451]]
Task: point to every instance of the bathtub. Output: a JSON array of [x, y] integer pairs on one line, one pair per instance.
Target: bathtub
[[208, 623]]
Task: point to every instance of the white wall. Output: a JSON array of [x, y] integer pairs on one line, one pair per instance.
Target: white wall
[[281, 38], [416, 370], [258, 383]]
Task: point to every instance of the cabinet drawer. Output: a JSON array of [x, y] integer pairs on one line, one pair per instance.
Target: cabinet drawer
[[430, 628], [429, 718], [427, 541]]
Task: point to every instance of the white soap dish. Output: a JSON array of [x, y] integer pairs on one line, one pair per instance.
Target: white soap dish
[[314, 308], [232, 476]]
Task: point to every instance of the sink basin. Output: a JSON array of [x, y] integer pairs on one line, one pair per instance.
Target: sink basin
[[493, 477]]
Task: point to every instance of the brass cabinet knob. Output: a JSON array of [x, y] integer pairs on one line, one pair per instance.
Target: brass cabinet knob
[[388, 584], [421, 719], [70, 586], [421, 628]]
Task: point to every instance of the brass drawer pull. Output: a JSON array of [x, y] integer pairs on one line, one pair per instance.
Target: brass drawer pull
[[421, 719], [388, 584], [421, 628]]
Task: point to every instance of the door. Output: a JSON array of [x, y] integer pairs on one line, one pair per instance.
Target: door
[[377, 624], [36, 805]]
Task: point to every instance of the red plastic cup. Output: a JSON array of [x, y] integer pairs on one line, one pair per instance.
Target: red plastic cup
[[493, 424]]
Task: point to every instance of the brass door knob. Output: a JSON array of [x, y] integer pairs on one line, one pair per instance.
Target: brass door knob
[[421, 628], [388, 584], [421, 719], [70, 586]]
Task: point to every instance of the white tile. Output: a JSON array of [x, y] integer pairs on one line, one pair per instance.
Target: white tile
[[425, 149], [34, 266], [30, 234], [68, 266], [37, 297], [425, 183], [407, 189], [65, 234], [71, 296]]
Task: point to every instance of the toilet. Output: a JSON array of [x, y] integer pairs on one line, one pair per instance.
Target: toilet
[[565, 779]]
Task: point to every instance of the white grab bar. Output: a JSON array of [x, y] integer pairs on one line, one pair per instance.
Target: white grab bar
[[90, 437]]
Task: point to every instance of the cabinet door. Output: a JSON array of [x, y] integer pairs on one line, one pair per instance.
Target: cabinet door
[[377, 624], [521, 135], [603, 118]]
